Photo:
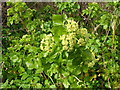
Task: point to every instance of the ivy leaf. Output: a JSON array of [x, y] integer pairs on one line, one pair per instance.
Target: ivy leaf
[[11, 82], [45, 54], [71, 79]]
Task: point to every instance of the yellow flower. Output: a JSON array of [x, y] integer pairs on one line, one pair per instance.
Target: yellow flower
[[62, 37], [71, 25], [47, 43], [81, 42], [65, 47], [83, 31], [64, 42]]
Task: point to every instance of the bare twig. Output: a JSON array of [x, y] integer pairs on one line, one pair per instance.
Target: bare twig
[[95, 29]]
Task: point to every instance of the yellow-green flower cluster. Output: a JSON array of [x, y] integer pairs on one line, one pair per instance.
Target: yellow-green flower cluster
[[68, 41], [71, 25], [81, 42], [83, 32], [74, 36], [84, 36], [47, 43]]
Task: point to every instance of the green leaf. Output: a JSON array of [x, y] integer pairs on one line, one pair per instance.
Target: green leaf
[[58, 30], [66, 83], [52, 86], [29, 79], [39, 70], [11, 82], [32, 49], [36, 79], [77, 70], [71, 79], [30, 65], [66, 54], [105, 26], [58, 19], [85, 68], [46, 82], [25, 85], [24, 76], [96, 50], [21, 70], [14, 58], [65, 73], [38, 85], [87, 78]]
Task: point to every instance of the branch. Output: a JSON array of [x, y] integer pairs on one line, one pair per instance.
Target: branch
[[95, 29]]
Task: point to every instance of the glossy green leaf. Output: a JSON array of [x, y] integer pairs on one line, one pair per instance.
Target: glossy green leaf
[[58, 19], [58, 30]]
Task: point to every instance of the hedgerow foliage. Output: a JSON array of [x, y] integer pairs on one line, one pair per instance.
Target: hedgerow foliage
[[61, 51]]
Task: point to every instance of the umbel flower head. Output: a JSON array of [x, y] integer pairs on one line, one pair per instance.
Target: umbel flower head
[[47, 43], [68, 41], [71, 25], [83, 32], [75, 36], [81, 42]]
